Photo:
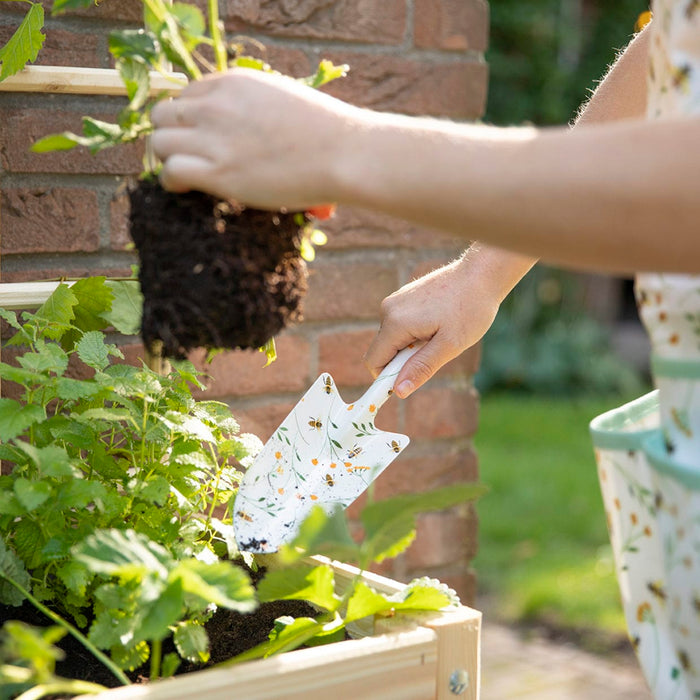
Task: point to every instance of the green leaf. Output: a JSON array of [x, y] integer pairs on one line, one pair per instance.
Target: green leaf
[[425, 594], [191, 21], [11, 318], [16, 418], [24, 45], [47, 358], [136, 44], [130, 657], [118, 552], [388, 524], [250, 62], [75, 389], [11, 567], [125, 314], [325, 72], [92, 350], [58, 308], [94, 298], [322, 534], [51, 460], [156, 490], [136, 80], [365, 602], [31, 494], [75, 576], [29, 542], [162, 612], [192, 642], [221, 582], [24, 377], [109, 628], [64, 141], [314, 584], [63, 5], [289, 633]]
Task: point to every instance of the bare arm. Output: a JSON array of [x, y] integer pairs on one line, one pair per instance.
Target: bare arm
[[600, 197], [454, 306], [617, 195]]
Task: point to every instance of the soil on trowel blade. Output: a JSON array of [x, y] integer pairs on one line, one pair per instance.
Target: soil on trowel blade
[[214, 274]]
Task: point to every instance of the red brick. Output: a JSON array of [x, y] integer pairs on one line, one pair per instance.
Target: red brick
[[371, 21], [53, 219], [341, 353], [125, 10], [361, 228], [348, 289], [20, 128], [119, 222], [63, 48], [262, 420], [409, 474], [440, 538], [453, 89], [453, 25], [441, 412], [242, 372], [30, 275]]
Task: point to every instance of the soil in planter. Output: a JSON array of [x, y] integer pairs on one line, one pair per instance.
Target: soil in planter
[[214, 274], [230, 633]]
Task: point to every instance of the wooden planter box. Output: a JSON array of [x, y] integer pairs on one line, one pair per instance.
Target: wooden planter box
[[417, 657]]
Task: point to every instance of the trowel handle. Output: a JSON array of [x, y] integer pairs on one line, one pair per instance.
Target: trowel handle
[[383, 385]]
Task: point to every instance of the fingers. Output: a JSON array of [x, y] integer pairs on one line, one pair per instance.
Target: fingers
[[418, 369], [182, 172]]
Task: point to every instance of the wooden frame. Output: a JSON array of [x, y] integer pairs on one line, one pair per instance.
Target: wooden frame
[[418, 656]]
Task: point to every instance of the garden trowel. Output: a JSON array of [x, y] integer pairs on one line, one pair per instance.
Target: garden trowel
[[325, 453]]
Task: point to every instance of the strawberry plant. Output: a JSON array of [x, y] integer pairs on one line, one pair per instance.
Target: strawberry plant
[[213, 273]]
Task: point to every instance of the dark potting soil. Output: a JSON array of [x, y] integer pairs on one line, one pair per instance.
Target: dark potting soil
[[230, 633], [214, 274]]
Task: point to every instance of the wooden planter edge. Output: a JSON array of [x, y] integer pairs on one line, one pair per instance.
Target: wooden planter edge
[[426, 655]]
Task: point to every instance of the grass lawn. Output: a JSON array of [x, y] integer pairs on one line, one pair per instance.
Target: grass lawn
[[543, 554]]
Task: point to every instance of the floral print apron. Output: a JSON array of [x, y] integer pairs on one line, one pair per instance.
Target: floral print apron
[[648, 452]]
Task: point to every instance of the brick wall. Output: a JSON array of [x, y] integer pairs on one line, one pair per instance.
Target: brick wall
[[63, 214]]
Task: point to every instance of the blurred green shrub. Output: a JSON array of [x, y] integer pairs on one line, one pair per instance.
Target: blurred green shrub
[[544, 342], [546, 56]]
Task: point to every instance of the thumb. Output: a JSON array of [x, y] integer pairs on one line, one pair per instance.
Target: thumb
[[421, 367]]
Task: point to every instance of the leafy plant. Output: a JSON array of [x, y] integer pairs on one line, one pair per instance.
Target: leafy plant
[[114, 515]]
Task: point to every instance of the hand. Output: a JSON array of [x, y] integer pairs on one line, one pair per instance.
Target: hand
[[261, 139], [450, 308]]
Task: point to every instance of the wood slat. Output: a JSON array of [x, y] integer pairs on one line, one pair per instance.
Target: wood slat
[[390, 667], [26, 295], [85, 81]]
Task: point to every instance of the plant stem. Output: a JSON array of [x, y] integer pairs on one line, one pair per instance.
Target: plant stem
[[215, 31], [156, 654], [162, 13], [62, 687], [73, 631]]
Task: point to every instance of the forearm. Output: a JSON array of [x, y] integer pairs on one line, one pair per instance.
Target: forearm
[[618, 197], [600, 197]]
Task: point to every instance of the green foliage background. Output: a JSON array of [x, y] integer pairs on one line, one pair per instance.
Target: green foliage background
[[545, 59], [545, 56]]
